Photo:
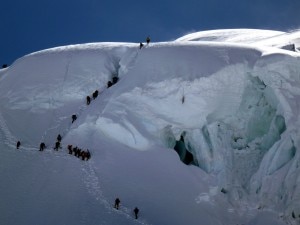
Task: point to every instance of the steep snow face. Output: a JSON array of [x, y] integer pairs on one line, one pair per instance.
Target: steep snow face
[[47, 87], [235, 107]]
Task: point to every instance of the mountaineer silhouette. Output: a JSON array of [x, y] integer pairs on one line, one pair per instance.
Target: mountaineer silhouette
[[74, 117], [136, 212], [18, 144], [42, 146], [117, 203]]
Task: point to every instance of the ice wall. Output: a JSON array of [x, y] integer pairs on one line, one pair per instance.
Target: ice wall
[[254, 151]]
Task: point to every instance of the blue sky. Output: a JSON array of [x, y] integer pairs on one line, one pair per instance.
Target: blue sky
[[28, 26]]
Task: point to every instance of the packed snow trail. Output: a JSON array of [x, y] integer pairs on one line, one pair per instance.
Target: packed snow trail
[[8, 138], [92, 183]]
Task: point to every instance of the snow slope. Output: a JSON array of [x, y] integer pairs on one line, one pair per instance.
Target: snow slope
[[234, 102]]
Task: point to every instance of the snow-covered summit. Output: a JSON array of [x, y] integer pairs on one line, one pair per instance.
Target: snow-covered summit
[[228, 99]]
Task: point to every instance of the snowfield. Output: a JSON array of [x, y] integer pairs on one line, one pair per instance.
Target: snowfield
[[203, 130]]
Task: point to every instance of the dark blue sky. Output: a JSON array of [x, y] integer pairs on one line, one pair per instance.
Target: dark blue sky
[[32, 25]]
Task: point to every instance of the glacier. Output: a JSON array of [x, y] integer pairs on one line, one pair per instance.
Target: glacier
[[226, 100]]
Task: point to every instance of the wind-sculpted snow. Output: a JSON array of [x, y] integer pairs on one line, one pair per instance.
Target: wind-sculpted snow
[[231, 109], [232, 35], [282, 40]]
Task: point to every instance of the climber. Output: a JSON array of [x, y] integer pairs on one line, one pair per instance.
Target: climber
[[75, 150], [70, 149], [57, 145], [18, 144], [88, 100], [42, 146], [59, 138], [136, 212], [141, 45], [148, 40], [115, 80], [83, 155], [88, 154], [109, 84], [117, 203], [95, 94], [74, 117]]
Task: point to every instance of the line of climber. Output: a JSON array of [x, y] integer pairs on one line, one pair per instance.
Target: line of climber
[[117, 206], [74, 116], [96, 93], [79, 153], [88, 101]]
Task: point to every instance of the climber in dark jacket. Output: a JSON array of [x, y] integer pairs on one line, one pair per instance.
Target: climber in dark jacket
[[59, 138], [88, 154], [57, 145], [88, 100], [18, 144], [42, 146], [115, 80], [109, 84], [95, 94], [70, 149], [74, 117], [136, 212], [117, 203]]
